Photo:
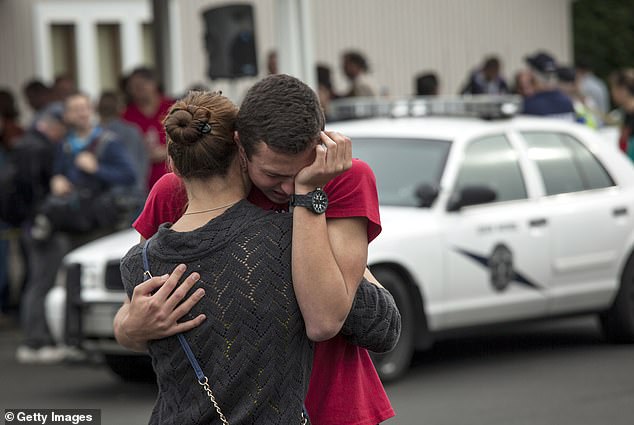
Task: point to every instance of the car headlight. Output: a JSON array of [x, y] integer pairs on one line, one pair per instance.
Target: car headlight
[[90, 276]]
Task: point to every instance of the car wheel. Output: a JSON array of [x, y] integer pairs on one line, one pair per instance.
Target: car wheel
[[131, 368], [394, 364], [617, 323]]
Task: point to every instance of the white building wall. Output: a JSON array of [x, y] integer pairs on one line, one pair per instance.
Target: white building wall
[[17, 63]]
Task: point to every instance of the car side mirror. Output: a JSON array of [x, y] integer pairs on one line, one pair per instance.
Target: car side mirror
[[426, 195], [471, 195]]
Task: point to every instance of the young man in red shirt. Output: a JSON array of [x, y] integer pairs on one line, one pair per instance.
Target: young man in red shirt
[[279, 134]]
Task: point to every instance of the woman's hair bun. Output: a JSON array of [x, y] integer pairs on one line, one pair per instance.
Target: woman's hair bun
[[187, 126]]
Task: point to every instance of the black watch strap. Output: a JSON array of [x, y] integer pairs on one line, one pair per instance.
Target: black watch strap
[[316, 201]]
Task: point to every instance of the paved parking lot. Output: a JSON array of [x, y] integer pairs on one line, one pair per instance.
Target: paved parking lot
[[552, 373]]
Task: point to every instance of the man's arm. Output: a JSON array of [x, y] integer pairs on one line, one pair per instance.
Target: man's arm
[[155, 310], [329, 256]]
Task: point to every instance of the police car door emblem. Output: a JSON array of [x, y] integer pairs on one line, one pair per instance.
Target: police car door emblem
[[501, 267]]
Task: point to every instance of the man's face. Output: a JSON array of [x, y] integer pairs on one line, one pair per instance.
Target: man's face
[[349, 69], [78, 112], [491, 72], [141, 89], [57, 131], [619, 94], [274, 173]]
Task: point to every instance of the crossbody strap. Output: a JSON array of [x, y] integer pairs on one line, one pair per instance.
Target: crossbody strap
[[200, 375]]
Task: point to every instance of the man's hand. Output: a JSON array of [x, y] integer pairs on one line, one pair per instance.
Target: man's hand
[[333, 157], [60, 185], [87, 162], [154, 315]]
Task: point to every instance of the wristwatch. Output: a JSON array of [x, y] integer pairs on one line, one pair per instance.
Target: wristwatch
[[316, 201]]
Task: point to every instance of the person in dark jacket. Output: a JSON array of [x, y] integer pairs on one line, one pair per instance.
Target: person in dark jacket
[[30, 164], [25, 174], [487, 79]]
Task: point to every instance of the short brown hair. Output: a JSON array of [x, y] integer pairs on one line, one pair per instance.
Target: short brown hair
[[282, 112], [199, 131]]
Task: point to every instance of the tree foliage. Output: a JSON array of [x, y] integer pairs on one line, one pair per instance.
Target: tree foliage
[[604, 34]]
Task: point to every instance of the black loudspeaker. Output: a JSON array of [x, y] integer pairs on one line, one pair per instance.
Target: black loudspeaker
[[230, 41]]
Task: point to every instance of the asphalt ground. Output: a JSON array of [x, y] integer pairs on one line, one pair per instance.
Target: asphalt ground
[[560, 373]]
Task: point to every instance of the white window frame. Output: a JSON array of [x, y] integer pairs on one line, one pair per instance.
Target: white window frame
[[85, 16]]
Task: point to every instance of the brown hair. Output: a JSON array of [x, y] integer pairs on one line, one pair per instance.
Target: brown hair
[[199, 131], [282, 112]]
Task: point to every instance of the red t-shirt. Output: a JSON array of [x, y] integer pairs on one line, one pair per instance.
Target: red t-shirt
[[152, 129], [344, 387]]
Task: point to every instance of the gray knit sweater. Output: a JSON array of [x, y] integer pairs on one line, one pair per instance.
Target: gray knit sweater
[[253, 346]]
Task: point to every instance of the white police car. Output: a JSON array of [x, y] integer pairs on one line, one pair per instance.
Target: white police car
[[484, 221]]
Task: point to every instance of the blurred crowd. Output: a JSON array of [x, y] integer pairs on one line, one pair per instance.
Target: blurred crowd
[[78, 170], [547, 88], [81, 167]]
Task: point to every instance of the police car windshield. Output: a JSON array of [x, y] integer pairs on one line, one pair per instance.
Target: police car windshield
[[401, 166]]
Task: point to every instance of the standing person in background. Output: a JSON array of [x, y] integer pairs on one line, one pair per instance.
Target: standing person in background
[[63, 86], [10, 131], [548, 100], [585, 109], [147, 108], [427, 84], [592, 86], [524, 83], [271, 63], [27, 171], [37, 95], [355, 68], [487, 79], [109, 109], [622, 90], [325, 90]]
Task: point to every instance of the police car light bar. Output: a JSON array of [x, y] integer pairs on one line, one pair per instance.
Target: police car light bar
[[480, 106]]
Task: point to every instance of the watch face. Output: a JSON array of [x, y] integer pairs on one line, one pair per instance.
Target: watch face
[[320, 202]]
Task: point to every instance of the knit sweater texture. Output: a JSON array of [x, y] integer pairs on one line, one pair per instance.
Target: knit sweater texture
[[253, 345]]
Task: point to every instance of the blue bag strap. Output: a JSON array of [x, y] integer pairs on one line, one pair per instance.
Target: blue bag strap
[[186, 348]]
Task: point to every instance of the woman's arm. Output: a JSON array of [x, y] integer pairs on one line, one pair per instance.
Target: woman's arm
[[374, 322]]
